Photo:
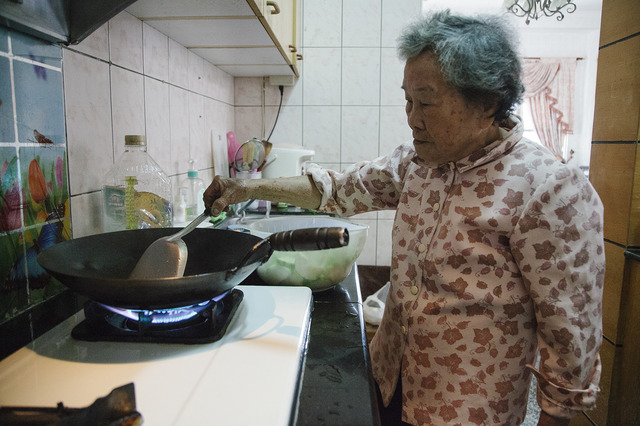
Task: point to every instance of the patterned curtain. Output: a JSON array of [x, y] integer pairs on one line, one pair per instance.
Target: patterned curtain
[[549, 87]]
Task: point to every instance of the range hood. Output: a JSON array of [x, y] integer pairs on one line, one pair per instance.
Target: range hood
[[59, 21]]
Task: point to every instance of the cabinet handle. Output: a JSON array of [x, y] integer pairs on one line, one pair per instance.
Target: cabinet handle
[[276, 8], [292, 48], [299, 57]]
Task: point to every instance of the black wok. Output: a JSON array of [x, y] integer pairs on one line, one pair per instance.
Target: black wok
[[98, 266]]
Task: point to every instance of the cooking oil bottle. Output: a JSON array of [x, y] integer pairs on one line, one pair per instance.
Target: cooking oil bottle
[[136, 192]]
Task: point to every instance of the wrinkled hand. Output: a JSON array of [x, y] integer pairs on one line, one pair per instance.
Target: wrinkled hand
[[223, 192]]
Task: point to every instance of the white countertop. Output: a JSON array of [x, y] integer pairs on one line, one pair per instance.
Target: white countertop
[[247, 377]]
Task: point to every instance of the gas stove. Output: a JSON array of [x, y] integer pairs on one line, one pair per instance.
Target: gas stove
[[204, 322], [250, 375]]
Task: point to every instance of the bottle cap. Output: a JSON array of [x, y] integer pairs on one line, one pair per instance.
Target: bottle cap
[[135, 140], [193, 172]]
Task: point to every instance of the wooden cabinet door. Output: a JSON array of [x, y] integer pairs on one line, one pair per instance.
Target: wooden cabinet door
[[280, 16]]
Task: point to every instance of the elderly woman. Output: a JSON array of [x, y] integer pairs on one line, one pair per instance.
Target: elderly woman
[[497, 247]]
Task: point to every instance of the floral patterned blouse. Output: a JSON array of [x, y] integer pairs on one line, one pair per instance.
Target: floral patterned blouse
[[496, 258]]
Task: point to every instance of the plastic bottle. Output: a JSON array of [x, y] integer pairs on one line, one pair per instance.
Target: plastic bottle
[[191, 191], [136, 192]]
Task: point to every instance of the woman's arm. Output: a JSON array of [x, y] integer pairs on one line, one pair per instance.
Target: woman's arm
[[299, 191]]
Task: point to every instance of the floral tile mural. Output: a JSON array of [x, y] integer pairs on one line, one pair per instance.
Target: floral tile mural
[[34, 186], [10, 202], [14, 296], [46, 192]]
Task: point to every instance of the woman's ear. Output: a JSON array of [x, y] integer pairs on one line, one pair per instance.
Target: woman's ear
[[487, 112], [490, 109]]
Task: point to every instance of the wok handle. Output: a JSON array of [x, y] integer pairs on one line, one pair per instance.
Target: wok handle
[[298, 240], [309, 239]]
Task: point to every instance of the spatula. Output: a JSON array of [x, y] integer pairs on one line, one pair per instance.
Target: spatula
[[166, 257]]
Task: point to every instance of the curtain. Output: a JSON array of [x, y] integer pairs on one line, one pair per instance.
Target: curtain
[[549, 87]]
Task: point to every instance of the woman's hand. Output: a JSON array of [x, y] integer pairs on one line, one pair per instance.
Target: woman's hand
[[223, 192]]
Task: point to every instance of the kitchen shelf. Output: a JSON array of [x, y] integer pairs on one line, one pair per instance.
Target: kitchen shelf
[[238, 36]]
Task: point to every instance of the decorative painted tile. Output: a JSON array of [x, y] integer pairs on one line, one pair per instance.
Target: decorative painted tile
[[6, 102], [13, 283], [39, 104], [10, 202], [42, 286], [25, 46], [4, 39], [45, 186]]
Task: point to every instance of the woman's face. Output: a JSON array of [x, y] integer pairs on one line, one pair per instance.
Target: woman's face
[[445, 126]]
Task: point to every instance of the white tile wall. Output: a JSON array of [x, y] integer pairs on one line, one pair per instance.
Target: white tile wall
[[127, 78], [347, 105]]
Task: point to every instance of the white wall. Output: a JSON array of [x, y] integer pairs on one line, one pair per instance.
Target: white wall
[[127, 78], [347, 105]]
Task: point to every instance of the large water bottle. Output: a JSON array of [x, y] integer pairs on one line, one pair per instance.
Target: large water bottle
[[136, 191]]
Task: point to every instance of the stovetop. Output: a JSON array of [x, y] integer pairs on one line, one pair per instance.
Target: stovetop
[[205, 322], [249, 376]]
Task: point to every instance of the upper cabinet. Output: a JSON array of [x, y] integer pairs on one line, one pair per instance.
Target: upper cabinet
[[245, 38]]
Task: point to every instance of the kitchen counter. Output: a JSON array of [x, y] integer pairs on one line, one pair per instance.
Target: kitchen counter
[[250, 376], [337, 385]]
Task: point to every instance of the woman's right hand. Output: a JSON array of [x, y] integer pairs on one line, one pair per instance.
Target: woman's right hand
[[222, 192]]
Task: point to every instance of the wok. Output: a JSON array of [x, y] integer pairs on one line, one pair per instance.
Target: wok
[[98, 266]]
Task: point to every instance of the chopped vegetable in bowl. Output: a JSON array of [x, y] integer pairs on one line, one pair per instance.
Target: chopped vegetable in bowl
[[320, 269]]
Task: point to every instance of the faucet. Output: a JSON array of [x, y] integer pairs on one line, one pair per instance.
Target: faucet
[[239, 211]]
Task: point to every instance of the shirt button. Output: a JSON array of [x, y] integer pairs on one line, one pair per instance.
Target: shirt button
[[404, 330], [414, 290], [436, 207], [422, 248], [452, 166]]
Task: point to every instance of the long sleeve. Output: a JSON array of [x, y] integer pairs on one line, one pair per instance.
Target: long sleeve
[[558, 245], [364, 186]]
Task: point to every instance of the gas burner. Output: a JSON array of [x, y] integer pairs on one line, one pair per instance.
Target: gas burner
[[167, 316], [204, 322]]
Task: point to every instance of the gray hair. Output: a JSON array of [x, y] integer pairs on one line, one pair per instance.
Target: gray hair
[[478, 56]]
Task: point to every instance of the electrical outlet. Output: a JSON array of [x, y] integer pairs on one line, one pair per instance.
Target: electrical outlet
[[281, 80]]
